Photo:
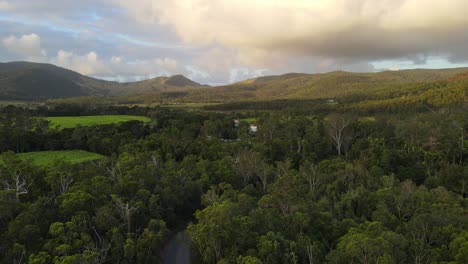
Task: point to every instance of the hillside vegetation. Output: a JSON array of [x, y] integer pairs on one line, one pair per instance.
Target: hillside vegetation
[[37, 81], [371, 91], [329, 85], [430, 87]]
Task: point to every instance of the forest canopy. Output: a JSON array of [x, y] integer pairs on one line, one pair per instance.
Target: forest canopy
[[329, 187]]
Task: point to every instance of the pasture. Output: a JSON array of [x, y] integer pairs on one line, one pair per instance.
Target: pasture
[[188, 105], [74, 121], [249, 120], [42, 158], [13, 102]]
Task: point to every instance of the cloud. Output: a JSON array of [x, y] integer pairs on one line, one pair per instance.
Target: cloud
[[116, 60], [88, 64], [219, 41], [360, 30], [122, 69], [27, 46], [4, 6], [168, 65], [117, 67]]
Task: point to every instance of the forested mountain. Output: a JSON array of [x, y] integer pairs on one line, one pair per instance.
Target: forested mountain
[[328, 85], [35, 81], [25, 81]]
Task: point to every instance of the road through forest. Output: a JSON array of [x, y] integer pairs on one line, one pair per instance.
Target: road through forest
[[178, 249]]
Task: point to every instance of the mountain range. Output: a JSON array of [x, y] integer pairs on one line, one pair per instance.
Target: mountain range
[[337, 84], [36, 81]]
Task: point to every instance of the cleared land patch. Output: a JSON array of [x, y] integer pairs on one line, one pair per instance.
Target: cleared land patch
[[74, 121], [188, 105], [12, 102], [249, 120], [72, 156]]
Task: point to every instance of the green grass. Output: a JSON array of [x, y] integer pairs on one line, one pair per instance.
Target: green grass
[[187, 105], [74, 121], [12, 102], [249, 120], [41, 158], [366, 119]]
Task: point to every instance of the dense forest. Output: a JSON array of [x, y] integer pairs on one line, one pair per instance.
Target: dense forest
[[353, 184]]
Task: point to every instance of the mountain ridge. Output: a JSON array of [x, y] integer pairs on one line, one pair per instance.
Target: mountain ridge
[[36, 81], [22, 80], [338, 84]]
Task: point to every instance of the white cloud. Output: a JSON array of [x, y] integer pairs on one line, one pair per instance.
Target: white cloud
[[88, 64], [116, 59], [346, 29], [4, 6], [27, 46], [167, 64], [144, 69], [117, 67], [217, 41]]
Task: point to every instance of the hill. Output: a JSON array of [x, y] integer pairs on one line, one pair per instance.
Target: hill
[[36, 81], [324, 86], [25, 81]]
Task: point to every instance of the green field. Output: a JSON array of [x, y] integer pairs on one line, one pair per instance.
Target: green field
[[72, 156], [188, 105], [249, 120], [366, 119], [74, 121], [12, 102]]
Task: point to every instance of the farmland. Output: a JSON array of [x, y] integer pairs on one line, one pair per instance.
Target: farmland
[[249, 120], [74, 121], [42, 158]]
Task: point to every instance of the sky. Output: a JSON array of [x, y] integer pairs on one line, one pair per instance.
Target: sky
[[224, 41]]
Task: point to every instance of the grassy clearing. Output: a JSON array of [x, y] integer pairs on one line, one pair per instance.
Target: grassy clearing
[[249, 120], [367, 119], [12, 102], [188, 105], [41, 158], [74, 121]]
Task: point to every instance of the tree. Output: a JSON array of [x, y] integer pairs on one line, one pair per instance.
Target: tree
[[271, 247], [222, 230], [247, 163], [125, 211], [370, 243], [312, 175], [264, 172], [248, 260], [15, 175], [338, 128], [60, 177], [151, 241], [459, 248]]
